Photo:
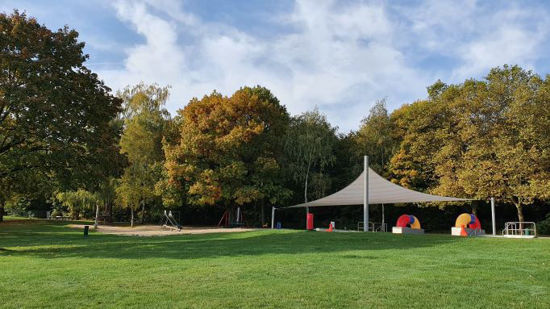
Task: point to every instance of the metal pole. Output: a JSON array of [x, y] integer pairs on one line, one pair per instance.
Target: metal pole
[[366, 195], [493, 215], [272, 217], [383, 215]]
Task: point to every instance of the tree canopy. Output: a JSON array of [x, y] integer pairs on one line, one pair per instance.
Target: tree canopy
[[480, 139], [230, 149], [55, 113], [310, 150], [145, 123], [376, 137]]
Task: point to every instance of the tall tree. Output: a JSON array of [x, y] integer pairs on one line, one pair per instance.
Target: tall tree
[[228, 147], [479, 139], [310, 149], [145, 123], [169, 190], [418, 126], [376, 138], [54, 112], [500, 147]]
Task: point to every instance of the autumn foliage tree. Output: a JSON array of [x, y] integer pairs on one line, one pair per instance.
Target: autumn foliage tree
[[230, 149], [480, 139], [500, 148]]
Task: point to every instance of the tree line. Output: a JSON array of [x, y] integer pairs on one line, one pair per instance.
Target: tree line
[[68, 141]]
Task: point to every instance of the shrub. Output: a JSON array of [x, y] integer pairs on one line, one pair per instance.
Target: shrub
[[543, 227]]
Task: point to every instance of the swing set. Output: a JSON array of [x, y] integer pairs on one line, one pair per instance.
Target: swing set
[[227, 220]]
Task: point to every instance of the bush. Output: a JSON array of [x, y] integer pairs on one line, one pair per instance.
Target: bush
[[543, 227], [18, 206], [56, 212]]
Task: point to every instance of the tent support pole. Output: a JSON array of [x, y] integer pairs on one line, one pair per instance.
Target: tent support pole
[[366, 195], [493, 215], [383, 216], [272, 216]]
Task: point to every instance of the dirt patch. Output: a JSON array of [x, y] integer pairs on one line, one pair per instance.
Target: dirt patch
[[155, 230]]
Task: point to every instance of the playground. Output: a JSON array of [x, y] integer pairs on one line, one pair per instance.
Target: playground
[[51, 263]]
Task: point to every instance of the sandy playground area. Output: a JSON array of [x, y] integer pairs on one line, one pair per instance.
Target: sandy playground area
[[157, 230]]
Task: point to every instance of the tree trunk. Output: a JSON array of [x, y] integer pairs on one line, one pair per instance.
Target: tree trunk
[[96, 215], [521, 218], [142, 212], [2, 209], [262, 212], [132, 217], [474, 208], [109, 213]]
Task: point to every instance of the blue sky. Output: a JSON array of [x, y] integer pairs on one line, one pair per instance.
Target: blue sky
[[341, 56]]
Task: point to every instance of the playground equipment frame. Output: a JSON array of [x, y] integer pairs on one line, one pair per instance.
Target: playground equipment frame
[[519, 230]]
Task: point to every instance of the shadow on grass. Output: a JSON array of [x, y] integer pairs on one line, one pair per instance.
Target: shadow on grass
[[57, 241]]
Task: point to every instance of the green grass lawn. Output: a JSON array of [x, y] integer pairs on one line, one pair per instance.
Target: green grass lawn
[[49, 265]]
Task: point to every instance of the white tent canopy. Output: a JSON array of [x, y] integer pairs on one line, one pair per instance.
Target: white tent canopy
[[381, 191], [371, 188]]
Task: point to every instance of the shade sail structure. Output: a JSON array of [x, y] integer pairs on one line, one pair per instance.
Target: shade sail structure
[[381, 191]]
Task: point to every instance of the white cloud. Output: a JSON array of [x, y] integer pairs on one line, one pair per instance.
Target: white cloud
[[341, 58], [506, 39], [506, 45], [479, 35]]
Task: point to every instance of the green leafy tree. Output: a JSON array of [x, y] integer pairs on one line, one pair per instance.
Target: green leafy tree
[[309, 148], [145, 123], [376, 138], [54, 112], [136, 188], [107, 194], [78, 201]]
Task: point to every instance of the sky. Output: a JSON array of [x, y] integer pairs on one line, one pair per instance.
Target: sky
[[338, 56]]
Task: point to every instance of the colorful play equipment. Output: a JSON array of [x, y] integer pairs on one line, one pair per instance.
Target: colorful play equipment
[[469, 220], [409, 220], [407, 224], [467, 225]]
